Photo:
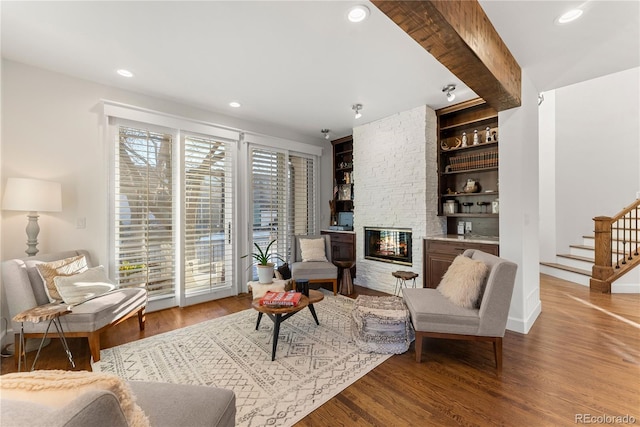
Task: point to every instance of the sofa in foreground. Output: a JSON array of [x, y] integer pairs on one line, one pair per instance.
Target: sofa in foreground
[[80, 399]]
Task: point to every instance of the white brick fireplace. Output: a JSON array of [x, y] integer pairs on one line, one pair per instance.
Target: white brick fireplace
[[395, 186]]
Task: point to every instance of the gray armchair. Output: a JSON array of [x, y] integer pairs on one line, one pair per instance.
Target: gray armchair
[[314, 271], [435, 316]]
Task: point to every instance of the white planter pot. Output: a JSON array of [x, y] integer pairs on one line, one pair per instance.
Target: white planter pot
[[265, 274]]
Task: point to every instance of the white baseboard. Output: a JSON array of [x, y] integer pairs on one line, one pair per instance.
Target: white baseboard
[[523, 326]]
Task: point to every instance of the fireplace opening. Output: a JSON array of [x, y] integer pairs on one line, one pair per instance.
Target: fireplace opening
[[388, 245]]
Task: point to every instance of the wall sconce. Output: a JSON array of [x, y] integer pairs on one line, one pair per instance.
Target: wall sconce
[[357, 108], [448, 89], [326, 133], [33, 196]]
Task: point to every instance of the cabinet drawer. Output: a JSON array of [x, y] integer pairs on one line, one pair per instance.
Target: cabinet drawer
[[342, 238], [459, 247]]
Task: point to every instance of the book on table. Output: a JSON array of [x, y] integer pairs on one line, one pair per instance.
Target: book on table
[[280, 299]]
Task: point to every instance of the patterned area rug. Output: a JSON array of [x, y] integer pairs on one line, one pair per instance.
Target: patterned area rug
[[313, 363]]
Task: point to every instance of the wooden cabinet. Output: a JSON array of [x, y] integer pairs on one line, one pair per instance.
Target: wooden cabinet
[[439, 254], [342, 176], [458, 163], [343, 246]]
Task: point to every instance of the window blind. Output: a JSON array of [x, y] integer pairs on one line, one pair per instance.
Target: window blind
[[283, 194], [143, 210], [208, 213]]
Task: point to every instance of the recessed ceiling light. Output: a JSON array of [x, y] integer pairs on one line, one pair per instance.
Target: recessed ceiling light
[[234, 104], [125, 73], [358, 13], [569, 16]]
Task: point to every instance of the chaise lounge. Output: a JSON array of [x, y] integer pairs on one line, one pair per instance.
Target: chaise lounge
[[24, 289]]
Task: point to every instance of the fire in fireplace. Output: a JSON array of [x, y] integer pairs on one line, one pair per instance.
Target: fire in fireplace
[[388, 245]]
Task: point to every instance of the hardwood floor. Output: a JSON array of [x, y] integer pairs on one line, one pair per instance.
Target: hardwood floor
[[582, 356]]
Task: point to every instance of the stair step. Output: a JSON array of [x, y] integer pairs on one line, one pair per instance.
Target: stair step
[[567, 268], [577, 257]]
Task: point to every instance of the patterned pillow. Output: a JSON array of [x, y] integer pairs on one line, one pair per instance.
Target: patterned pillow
[[463, 281], [63, 267], [312, 250]]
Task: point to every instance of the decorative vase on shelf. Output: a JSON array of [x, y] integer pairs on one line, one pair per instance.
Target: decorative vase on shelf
[[464, 139], [487, 134], [471, 186], [476, 138]]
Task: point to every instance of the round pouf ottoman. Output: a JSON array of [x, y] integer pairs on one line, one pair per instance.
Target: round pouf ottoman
[[381, 324]]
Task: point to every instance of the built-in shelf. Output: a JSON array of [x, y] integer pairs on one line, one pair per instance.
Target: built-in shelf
[[468, 122], [470, 147], [472, 215], [484, 193], [471, 170]]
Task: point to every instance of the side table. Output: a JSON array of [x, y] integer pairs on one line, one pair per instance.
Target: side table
[[41, 313], [346, 283]]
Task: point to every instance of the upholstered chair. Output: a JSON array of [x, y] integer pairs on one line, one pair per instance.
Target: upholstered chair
[[315, 269], [435, 315]]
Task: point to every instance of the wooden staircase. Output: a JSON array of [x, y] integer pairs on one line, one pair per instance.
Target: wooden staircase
[[600, 260], [574, 266]]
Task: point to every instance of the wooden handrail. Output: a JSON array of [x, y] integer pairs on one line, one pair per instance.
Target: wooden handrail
[[616, 246]]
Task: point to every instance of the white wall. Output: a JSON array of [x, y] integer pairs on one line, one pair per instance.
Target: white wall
[[597, 151], [589, 160], [519, 206], [547, 158], [395, 186], [53, 129]]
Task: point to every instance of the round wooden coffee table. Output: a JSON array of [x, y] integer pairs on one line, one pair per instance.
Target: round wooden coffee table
[[279, 315]]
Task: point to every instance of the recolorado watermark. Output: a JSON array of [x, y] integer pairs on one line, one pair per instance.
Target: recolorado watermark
[[604, 419]]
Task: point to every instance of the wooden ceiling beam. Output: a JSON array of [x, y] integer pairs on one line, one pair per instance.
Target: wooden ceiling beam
[[459, 34]]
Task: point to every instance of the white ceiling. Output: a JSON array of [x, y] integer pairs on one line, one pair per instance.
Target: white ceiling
[[300, 64]]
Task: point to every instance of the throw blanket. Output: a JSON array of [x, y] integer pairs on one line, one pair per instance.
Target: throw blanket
[[57, 388]]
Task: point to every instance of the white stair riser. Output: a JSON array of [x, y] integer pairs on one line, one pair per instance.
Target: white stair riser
[[589, 253], [588, 241], [576, 263], [565, 275]]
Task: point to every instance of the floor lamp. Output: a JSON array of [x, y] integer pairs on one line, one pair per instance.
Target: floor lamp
[[33, 196]]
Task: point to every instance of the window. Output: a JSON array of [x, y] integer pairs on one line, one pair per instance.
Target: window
[[284, 198], [144, 210]]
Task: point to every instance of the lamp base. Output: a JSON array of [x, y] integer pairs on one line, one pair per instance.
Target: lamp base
[[32, 234]]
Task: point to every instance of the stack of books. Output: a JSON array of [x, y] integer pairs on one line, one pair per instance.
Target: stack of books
[[280, 299]]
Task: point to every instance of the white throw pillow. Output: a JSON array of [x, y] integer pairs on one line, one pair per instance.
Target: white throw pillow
[[463, 281], [84, 286], [64, 267], [312, 250]]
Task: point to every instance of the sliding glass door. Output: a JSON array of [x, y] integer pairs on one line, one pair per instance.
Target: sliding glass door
[[283, 198]]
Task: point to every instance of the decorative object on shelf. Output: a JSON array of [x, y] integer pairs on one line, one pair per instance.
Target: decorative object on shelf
[[461, 227], [487, 134], [495, 206], [464, 139], [444, 145], [471, 186], [450, 207], [476, 138], [467, 205], [345, 192], [483, 206], [494, 136]]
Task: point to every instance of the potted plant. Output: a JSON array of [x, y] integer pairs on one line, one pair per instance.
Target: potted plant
[[262, 261]]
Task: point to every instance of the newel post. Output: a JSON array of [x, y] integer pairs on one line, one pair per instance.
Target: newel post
[[602, 269]]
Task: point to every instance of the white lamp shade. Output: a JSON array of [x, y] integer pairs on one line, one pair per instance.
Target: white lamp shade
[[32, 195]]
